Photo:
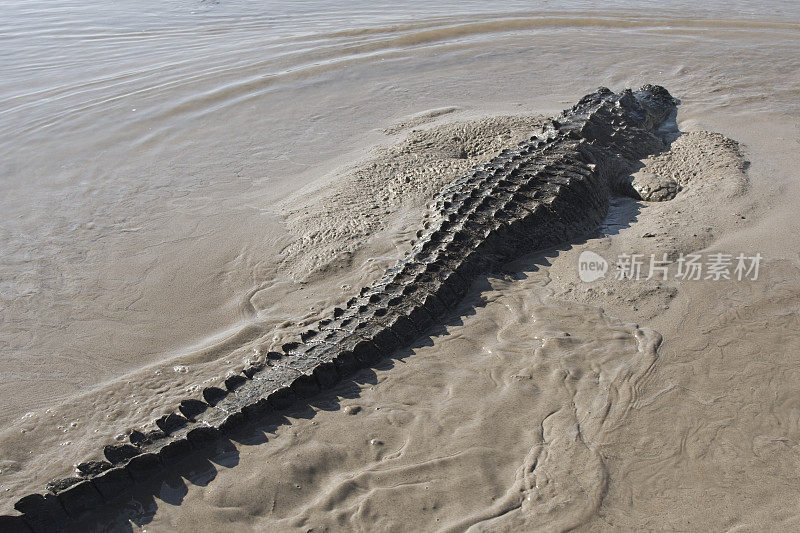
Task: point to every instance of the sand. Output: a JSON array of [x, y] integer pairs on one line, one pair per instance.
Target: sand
[[338, 239], [174, 210], [551, 404], [333, 218]]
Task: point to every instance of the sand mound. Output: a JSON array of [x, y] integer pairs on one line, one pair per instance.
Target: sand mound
[[695, 159], [709, 170], [335, 220]]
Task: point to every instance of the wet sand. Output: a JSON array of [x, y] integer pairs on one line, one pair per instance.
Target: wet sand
[[552, 403], [516, 425]]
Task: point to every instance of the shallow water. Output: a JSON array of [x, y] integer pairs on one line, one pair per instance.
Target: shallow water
[[146, 148]]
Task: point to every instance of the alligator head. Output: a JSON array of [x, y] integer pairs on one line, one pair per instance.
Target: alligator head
[[657, 103]]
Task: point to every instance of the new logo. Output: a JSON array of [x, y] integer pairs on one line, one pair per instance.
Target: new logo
[[591, 266]]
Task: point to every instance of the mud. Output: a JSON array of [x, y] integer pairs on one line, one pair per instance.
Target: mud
[[548, 190]]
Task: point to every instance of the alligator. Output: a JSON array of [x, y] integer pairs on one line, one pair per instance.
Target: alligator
[[549, 190]]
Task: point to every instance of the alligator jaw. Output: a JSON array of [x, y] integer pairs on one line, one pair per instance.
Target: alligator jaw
[[549, 190]]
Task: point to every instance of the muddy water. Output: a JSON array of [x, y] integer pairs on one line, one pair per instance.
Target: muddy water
[[150, 151]]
